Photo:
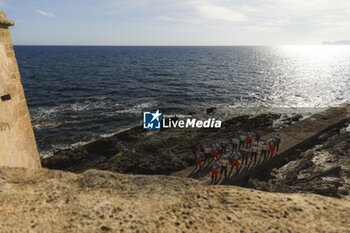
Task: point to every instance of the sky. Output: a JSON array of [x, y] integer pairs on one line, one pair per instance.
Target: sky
[[177, 22]]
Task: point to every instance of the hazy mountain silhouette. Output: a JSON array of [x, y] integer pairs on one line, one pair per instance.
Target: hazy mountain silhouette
[[339, 42]]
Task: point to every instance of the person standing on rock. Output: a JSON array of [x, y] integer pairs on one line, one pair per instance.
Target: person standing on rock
[[214, 170], [215, 150], [199, 158], [235, 157], [271, 147], [250, 136], [242, 140], [249, 156], [207, 152], [224, 162], [277, 140], [242, 156], [254, 151], [264, 149], [223, 148], [245, 156], [235, 144], [258, 134]]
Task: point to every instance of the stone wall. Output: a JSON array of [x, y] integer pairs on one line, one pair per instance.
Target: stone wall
[[17, 142]]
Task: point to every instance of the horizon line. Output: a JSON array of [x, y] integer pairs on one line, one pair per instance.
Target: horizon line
[[98, 45]]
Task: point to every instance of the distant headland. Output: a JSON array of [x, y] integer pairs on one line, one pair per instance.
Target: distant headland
[[339, 42]]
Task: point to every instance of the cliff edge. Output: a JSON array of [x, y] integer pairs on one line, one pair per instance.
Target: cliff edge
[[43, 200]]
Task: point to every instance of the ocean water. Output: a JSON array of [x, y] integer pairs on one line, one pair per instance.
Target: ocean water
[[76, 94]]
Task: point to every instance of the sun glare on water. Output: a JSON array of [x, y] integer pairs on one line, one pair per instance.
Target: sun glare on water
[[315, 72], [318, 52]]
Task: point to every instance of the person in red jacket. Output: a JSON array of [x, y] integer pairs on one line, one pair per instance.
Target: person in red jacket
[[199, 158], [272, 144], [215, 150], [215, 165], [235, 157], [250, 136]]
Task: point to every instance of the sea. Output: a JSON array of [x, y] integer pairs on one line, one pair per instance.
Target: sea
[[77, 94]]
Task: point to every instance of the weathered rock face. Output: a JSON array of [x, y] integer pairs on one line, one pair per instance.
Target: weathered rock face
[[17, 144], [44, 200], [323, 169]]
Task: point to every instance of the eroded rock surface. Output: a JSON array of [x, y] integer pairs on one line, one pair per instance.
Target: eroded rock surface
[[99, 201], [323, 169]]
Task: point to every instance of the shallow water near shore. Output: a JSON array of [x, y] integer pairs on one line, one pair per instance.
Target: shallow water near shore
[[78, 94]]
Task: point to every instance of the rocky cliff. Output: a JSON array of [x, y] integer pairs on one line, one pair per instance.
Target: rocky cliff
[[322, 169]]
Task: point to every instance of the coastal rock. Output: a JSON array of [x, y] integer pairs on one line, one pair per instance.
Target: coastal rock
[[286, 120], [324, 169], [45, 200], [210, 110]]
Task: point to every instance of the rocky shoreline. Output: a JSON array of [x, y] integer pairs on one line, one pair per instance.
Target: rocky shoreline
[[170, 151], [139, 151]]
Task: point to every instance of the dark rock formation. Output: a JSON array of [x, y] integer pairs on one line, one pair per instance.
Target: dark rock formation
[[210, 110], [323, 169]]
